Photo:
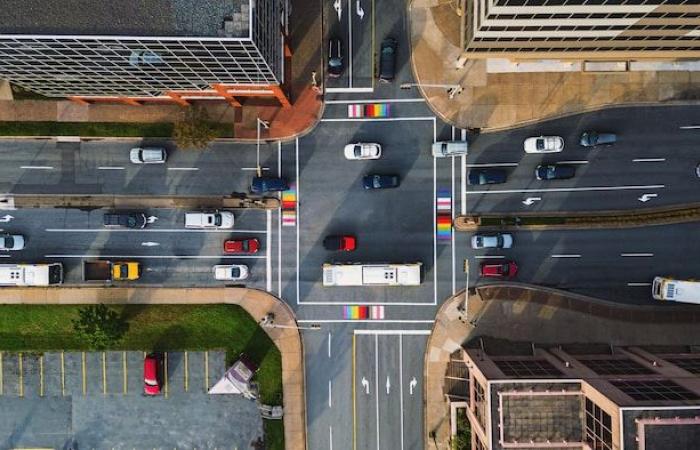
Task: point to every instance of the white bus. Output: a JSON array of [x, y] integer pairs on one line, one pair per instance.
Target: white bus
[[31, 274], [676, 290], [372, 274]]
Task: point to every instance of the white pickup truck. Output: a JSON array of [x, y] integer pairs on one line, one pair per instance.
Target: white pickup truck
[[209, 219]]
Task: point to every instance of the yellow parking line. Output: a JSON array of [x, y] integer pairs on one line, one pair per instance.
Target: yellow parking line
[[104, 373], [165, 373], [354, 380], [124, 370], [186, 372], [41, 376], [206, 371], [21, 377], [63, 374], [84, 375]]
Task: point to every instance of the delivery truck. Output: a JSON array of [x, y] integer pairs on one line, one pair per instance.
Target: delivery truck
[[372, 274], [107, 271], [672, 290]]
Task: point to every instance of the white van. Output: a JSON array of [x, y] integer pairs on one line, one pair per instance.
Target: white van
[[442, 149], [214, 219]]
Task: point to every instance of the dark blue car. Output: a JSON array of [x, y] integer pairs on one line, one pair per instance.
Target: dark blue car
[[380, 181], [486, 176], [554, 172], [261, 185]]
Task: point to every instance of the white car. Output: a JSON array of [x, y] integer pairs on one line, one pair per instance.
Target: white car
[[148, 155], [544, 144], [213, 219], [231, 272], [363, 151], [500, 240], [11, 242]]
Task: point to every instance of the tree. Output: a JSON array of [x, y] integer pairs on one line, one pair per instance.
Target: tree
[[195, 130], [100, 325]]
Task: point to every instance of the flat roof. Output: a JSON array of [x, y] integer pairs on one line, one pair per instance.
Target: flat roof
[[152, 18]]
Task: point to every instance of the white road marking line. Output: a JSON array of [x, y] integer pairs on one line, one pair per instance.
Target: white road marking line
[[573, 189], [268, 259], [393, 332], [5, 256], [37, 167], [572, 162], [435, 269], [298, 189], [330, 437], [367, 320], [489, 257], [330, 393], [463, 185], [329, 344], [452, 234], [380, 119], [362, 303], [350, 39], [255, 168], [375, 100], [632, 255], [638, 284], [376, 381], [401, 384], [156, 256], [110, 168], [649, 160], [159, 230], [368, 90], [565, 256], [183, 168], [492, 164]]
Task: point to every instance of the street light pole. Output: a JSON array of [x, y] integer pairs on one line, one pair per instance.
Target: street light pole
[[268, 321], [452, 89], [257, 149]]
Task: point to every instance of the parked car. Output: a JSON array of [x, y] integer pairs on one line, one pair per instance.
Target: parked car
[[486, 176], [380, 181], [335, 58], [697, 170], [498, 269], [11, 242], [262, 185], [231, 272], [345, 243], [148, 155], [151, 374], [249, 246], [125, 219], [387, 60], [593, 139], [554, 172], [500, 240], [544, 144], [442, 149], [362, 151], [209, 219]]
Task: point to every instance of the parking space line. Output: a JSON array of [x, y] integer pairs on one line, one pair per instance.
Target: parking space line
[[84, 367], [21, 376], [41, 376], [124, 371], [104, 373], [165, 374], [206, 371], [186, 371], [63, 374]]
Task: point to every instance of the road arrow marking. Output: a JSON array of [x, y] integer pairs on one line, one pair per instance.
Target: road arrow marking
[[150, 244], [388, 385], [530, 200], [365, 384], [360, 12], [646, 197], [412, 384], [338, 8], [151, 219], [6, 218]]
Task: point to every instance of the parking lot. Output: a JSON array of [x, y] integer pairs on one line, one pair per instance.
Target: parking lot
[[95, 400]]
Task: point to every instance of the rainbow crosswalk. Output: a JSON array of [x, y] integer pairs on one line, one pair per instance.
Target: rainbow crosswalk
[[289, 206], [362, 312], [369, 110], [443, 215]]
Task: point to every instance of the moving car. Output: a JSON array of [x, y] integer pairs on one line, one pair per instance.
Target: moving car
[[344, 243], [443, 149], [148, 155], [125, 219], [544, 144], [209, 219], [362, 151], [486, 176], [261, 185], [249, 246], [380, 181], [498, 269], [554, 172], [335, 58], [231, 272], [387, 60], [593, 139], [151, 374], [11, 242], [500, 240]]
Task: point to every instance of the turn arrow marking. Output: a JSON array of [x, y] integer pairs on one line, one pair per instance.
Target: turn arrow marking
[[412, 384], [365, 384]]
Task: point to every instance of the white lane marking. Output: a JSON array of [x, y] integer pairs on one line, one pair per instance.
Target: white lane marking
[[330, 393], [633, 255], [363, 90], [489, 257], [298, 189], [366, 320], [380, 119], [268, 259], [279, 223], [565, 256], [452, 211], [330, 437], [401, 384], [350, 39], [110, 168], [329, 344], [5, 256], [375, 100], [435, 269], [156, 256], [183, 168], [638, 284], [572, 162], [493, 165], [255, 168], [356, 302], [463, 184], [376, 381], [159, 230], [573, 189], [649, 160], [393, 332], [37, 167]]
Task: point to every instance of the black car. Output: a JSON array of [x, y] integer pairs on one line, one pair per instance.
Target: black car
[[593, 139], [554, 172], [387, 60], [125, 219], [261, 185], [335, 58], [486, 176], [380, 181]]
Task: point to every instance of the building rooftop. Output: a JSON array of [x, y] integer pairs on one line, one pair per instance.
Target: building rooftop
[[661, 429], [197, 18]]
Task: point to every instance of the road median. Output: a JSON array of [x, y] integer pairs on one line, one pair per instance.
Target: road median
[[22, 201]]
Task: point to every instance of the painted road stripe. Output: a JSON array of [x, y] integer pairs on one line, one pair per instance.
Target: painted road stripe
[[366, 321], [638, 284], [161, 230], [573, 189], [110, 168], [183, 168], [157, 256], [632, 255], [37, 167], [649, 160], [378, 100], [381, 119], [572, 162], [393, 332], [489, 257], [566, 256], [493, 165]]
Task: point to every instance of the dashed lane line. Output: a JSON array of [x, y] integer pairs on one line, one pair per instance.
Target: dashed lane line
[[636, 255], [565, 256]]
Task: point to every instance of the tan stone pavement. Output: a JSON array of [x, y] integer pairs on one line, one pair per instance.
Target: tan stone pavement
[[256, 303]]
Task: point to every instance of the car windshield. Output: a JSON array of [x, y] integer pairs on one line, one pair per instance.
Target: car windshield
[[9, 241], [131, 221], [335, 62], [217, 220], [376, 181], [358, 151], [551, 171], [244, 246], [539, 143], [123, 271], [235, 272]]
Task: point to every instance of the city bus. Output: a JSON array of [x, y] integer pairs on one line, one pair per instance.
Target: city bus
[[360, 274], [672, 290], [31, 274]]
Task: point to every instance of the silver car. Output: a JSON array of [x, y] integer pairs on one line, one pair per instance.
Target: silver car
[[443, 149], [500, 240], [11, 242], [148, 155]]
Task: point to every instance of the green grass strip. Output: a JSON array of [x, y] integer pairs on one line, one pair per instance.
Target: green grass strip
[[100, 129]]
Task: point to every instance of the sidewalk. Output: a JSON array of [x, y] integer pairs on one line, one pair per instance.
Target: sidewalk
[[256, 303], [518, 312], [501, 100]]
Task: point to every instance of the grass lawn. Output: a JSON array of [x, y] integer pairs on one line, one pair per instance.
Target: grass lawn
[[161, 328], [100, 129]]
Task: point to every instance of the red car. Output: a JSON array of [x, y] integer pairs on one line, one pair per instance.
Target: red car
[[242, 245], [340, 243], [498, 269], [151, 377]]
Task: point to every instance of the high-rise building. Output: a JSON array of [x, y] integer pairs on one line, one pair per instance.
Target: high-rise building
[[143, 50], [592, 397], [581, 29]]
